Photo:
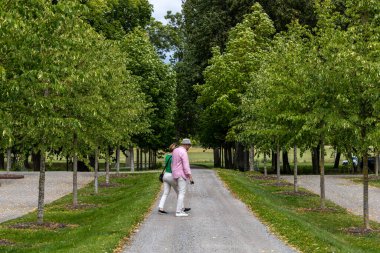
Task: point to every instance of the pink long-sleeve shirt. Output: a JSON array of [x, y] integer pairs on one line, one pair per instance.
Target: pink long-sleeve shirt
[[180, 163]]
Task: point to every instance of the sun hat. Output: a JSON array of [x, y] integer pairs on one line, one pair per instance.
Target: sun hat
[[186, 141]]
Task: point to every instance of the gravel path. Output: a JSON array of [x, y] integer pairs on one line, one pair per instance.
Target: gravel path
[[20, 196], [341, 190], [217, 223]]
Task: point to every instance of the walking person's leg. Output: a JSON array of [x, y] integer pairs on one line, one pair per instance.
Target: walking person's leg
[[181, 196], [167, 186]]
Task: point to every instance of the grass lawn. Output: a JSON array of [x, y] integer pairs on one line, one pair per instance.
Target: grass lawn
[[96, 229], [373, 180], [291, 218]]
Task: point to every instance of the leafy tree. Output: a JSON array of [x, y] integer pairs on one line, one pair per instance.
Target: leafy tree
[[115, 18], [169, 38], [157, 82], [228, 75]]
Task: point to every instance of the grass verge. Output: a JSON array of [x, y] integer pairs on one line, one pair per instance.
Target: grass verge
[[108, 217], [297, 220], [372, 180]]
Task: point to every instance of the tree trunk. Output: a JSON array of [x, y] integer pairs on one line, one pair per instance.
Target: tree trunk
[[377, 161], [217, 163], [295, 169], [155, 159], [229, 155], [322, 173], [274, 160], [75, 172], [126, 158], [337, 160], [96, 169], [265, 165], [141, 159], [285, 161], [67, 162], [226, 157], [107, 166], [2, 161], [150, 159], [145, 161], [241, 154], [251, 158], [26, 162], [132, 159], [222, 157], [278, 168], [365, 191], [41, 189], [118, 160], [9, 160], [315, 159], [137, 158]]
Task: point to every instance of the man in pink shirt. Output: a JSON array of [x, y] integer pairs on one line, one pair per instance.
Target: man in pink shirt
[[181, 172]]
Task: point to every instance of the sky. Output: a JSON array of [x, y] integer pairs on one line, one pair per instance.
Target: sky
[[162, 6]]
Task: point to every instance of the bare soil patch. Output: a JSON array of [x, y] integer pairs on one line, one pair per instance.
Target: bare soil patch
[[11, 176], [45, 225], [360, 231], [299, 193], [4, 242]]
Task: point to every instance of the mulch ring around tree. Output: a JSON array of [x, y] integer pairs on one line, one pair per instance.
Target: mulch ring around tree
[[360, 231], [45, 225], [4, 242], [262, 177], [298, 193], [319, 210], [109, 185], [11, 176], [81, 206]]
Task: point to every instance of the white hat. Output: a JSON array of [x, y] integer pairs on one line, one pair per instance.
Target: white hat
[[186, 142]]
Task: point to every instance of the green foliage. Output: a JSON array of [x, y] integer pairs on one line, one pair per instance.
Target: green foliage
[[228, 75], [64, 79], [115, 18], [157, 82], [168, 38]]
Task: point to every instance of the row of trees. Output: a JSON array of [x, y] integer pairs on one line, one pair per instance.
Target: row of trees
[[80, 78], [192, 34], [301, 87]]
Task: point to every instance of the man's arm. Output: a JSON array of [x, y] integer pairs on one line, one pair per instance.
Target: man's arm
[[186, 166]]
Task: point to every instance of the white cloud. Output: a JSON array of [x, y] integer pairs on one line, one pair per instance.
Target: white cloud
[[160, 7]]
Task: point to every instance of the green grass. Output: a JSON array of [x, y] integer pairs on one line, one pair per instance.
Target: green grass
[[373, 181], [100, 229], [308, 231]]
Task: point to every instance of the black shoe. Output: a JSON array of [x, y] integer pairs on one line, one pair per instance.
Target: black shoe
[[187, 209], [162, 211]]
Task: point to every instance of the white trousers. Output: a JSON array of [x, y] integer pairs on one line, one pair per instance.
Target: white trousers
[[169, 182], [181, 183]]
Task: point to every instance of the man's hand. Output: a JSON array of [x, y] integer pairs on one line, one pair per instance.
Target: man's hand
[[191, 179]]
